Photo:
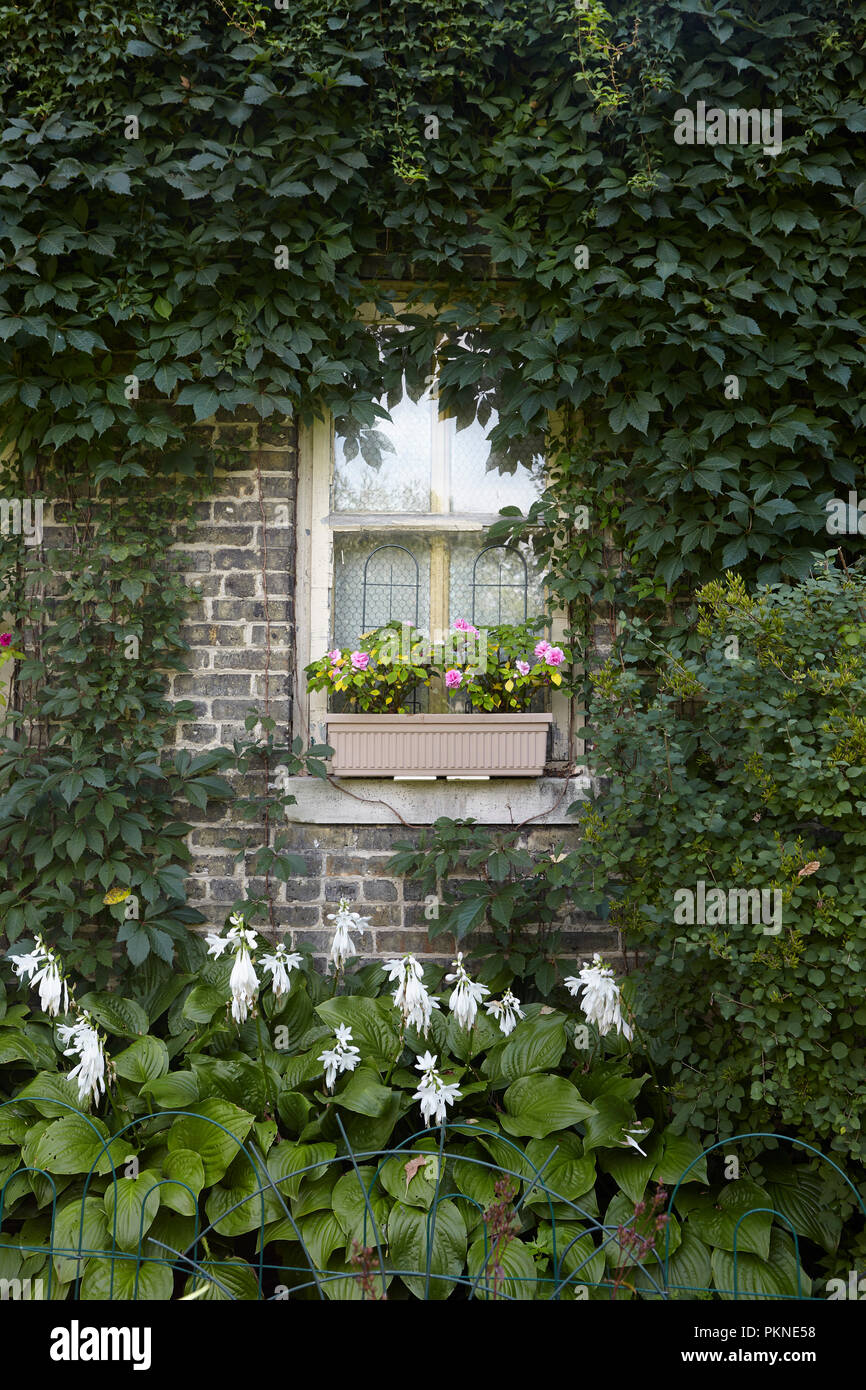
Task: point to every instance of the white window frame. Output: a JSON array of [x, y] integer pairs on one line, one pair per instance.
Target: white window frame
[[317, 527]]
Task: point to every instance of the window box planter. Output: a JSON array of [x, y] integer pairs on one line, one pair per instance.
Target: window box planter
[[438, 745]]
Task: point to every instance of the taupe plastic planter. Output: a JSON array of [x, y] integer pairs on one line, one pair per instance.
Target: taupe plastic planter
[[424, 745]]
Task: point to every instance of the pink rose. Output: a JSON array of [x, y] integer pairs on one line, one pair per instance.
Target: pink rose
[[334, 656], [523, 667], [5, 639], [461, 625], [542, 648], [554, 656], [453, 678], [360, 660]]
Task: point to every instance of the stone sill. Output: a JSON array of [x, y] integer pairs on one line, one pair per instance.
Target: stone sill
[[500, 801]]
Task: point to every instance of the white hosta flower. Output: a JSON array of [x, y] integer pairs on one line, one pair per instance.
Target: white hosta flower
[[43, 967], [244, 985], [53, 992], [87, 1045], [26, 966], [280, 965], [466, 995], [344, 1056], [345, 921], [411, 996], [506, 1010], [631, 1136], [238, 937], [243, 981], [602, 999], [433, 1092]]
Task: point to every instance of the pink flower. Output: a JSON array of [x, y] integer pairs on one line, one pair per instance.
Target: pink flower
[[334, 656], [360, 660], [554, 656], [453, 678], [334, 674], [5, 639], [542, 648], [523, 667], [461, 625]]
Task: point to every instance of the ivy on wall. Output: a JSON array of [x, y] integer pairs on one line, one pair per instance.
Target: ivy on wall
[[197, 199]]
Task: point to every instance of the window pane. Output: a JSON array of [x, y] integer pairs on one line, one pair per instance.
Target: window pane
[[377, 579], [492, 585], [386, 468], [480, 477]]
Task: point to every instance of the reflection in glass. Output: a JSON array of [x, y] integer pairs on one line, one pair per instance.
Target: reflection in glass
[[386, 468]]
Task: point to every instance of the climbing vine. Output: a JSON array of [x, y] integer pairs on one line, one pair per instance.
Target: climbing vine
[[197, 200]]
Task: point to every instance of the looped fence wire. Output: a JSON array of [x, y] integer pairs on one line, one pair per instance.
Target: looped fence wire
[[572, 1256]]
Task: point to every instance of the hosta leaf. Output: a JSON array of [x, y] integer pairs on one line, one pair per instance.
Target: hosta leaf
[[538, 1105]]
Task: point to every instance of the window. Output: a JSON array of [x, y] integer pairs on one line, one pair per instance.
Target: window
[[393, 527]]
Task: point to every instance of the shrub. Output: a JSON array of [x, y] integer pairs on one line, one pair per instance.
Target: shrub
[[746, 769]]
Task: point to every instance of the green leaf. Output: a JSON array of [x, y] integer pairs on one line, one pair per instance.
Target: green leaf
[[536, 1044], [679, 1152], [177, 1091], [130, 1206], [538, 1105], [58, 1094], [322, 1235], [513, 1258], [414, 1244], [73, 1233], [719, 1223], [777, 1276], [803, 1199], [202, 1002], [206, 1134], [291, 1164], [185, 1167], [689, 1267], [126, 1278], [72, 1145], [374, 1024], [364, 1093], [580, 1263], [144, 1060], [223, 1279], [630, 1171], [410, 1177], [122, 1017], [239, 1207], [565, 1170], [361, 1217]]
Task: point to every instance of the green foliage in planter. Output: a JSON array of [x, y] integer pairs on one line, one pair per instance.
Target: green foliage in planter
[[745, 770], [502, 685], [261, 1153], [379, 676]]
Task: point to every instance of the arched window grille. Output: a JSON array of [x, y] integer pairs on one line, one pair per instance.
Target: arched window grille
[[390, 587], [500, 587]]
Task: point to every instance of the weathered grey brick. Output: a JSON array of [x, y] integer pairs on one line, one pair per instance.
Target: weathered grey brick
[[379, 890], [341, 889]]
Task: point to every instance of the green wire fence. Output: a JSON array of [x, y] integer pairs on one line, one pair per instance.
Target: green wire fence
[[569, 1262]]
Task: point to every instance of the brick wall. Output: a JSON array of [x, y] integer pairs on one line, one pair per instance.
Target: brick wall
[[240, 632]]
